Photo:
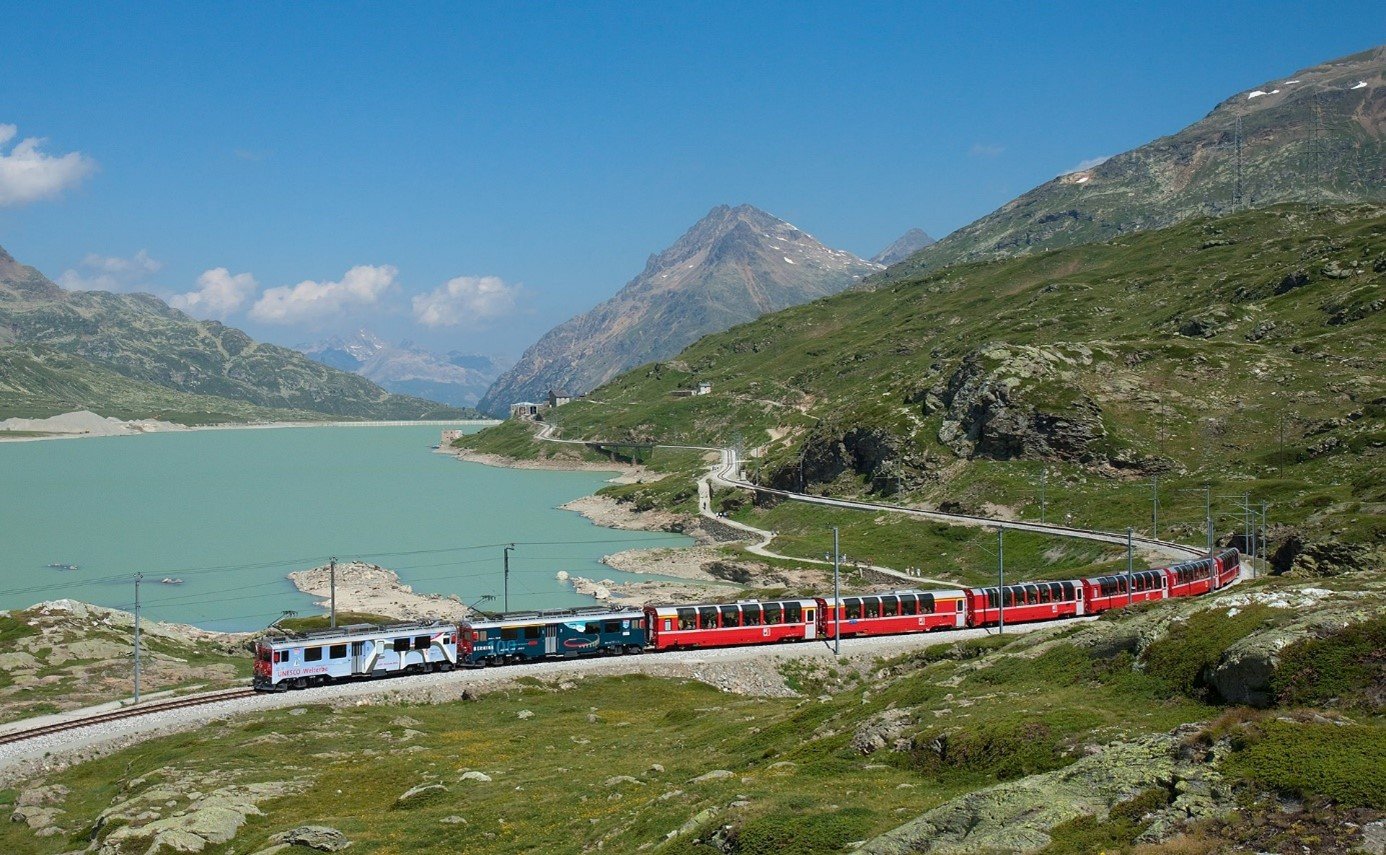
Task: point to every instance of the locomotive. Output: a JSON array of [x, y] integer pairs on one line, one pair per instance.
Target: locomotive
[[300, 660]]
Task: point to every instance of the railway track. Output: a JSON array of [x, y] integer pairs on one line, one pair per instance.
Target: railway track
[[122, 714]]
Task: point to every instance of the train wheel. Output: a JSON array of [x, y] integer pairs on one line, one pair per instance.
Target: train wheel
[[635, 650]]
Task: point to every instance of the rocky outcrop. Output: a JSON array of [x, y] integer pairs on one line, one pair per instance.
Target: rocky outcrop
[[1008, 401], [197, 820], [323, 838], [1296, 556], [1017, 816], [872, 453], [890, 730]]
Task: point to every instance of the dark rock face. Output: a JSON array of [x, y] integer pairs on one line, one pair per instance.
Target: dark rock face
[[872, 453], [1297, 557], [987, 414]]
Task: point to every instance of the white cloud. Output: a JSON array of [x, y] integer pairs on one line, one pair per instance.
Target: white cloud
[[1084, 165], [28, 175], [312, 302], [466, 300], [218, 294], [111, 273]]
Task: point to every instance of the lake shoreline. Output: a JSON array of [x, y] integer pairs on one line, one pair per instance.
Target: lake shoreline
[[98, 426]]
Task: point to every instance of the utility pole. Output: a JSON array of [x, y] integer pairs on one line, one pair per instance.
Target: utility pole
[[506, 583], [1044, 473], [1246, 509], [1208, 515], [138, 578], [837, 594], [1155, 506], [1265, 549], [1000, 580], [1130, 560], [332, 573]]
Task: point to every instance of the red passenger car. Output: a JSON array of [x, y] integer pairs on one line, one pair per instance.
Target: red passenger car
[[1110, 592], [1229, 567], [728, 624], [1030, 601], [1191, 577], [891, 614]]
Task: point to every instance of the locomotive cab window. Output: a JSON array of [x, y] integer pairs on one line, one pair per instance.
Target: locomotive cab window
[[422, 642], [337, 651], [510, 633], [533, 632], [400, 645], [613, 625], [591, 628], [312, 654]]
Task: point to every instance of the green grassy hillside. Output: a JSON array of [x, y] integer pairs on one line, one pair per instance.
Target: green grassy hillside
[[1241, 352]]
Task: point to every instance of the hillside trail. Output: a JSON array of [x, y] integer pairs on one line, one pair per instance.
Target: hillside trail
[[726, 472]]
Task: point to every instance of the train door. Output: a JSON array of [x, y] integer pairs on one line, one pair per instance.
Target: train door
[[810, 623], [961, 620], [551, 639]]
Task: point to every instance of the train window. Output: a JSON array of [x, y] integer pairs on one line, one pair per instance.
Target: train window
[[668, 624], [853, 608], [870, 607], [479, 635], [773, 613], [639, 623], [890, 606], [808, 615], [793, 613], [312, 654], [422, 642], [591, 628], [400, 645], [993, 598], [336, 651], [358, 648], [615, 625], [731, 616], [707, 617], [959, 604], [510, 633], [534, 632], [927, 604], [909, 605], [281, 656], [750, 615], [688, 619]]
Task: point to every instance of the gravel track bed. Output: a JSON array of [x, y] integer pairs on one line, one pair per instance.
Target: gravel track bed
[[740, 670]]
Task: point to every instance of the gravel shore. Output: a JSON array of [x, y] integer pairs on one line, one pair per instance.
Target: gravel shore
[[741, 670]]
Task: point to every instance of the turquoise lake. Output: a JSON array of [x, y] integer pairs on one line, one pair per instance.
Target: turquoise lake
[[230, 512]]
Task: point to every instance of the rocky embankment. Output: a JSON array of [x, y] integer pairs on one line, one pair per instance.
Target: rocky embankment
[[372, 589], [65, 654]]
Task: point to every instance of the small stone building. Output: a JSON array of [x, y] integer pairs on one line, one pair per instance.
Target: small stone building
[[524, 410], [558, 399]]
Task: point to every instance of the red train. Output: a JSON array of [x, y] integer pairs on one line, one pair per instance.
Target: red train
[[366, 651], [898, 612]]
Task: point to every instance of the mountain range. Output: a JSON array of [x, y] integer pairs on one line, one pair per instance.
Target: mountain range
[[455, 378], [732, 266], [134, 355], [1313, 136]]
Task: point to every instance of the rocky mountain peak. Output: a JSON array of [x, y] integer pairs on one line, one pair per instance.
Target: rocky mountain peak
[[903, 247], [733, 265]]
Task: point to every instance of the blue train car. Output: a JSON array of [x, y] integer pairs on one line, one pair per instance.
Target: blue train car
[[554, 634]]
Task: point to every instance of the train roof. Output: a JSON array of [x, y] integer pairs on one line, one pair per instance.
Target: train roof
[[803, 601], [556, 616], [956, 593], [354, 631]]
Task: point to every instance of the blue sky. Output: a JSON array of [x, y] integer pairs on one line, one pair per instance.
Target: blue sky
[[510, 165]]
